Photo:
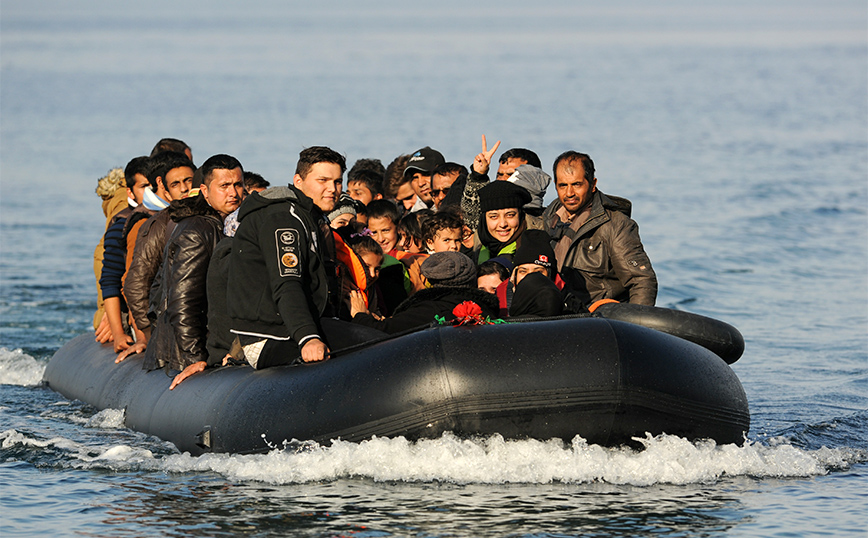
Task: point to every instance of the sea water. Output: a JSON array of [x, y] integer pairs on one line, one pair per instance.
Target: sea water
[[739, 131]]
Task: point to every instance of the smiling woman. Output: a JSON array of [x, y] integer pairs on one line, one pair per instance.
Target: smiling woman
[[500, 205]]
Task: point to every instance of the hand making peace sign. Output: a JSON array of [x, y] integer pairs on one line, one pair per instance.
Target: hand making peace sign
[[483, 160]]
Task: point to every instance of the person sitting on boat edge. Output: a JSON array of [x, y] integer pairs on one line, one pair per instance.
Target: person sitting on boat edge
[[282, 268], [179, 300], [596, 243], [170, 177], [112, 188], [114, 263], [452, 279]]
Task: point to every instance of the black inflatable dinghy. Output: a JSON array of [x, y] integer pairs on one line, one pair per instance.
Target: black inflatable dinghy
[[605, 380]]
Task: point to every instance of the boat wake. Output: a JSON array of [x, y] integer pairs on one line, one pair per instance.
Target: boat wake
[[665, 459]]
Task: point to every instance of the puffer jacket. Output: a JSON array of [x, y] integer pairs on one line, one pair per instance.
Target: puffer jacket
[[179, 312], [605, 259]]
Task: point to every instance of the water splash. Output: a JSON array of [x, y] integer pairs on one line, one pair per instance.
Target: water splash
[[19, 368], [665, 459]]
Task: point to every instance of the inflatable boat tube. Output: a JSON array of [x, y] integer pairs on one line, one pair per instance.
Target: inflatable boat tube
[[721, 338], [605, 380]]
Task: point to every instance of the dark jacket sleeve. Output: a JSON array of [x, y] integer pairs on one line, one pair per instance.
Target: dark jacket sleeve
[[289, 256], [114, 260], [219, 324], [630, 262], [147, 258], [188, 257], [419, 316]]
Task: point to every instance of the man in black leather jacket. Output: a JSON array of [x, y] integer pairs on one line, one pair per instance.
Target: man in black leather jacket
[[179, 305]]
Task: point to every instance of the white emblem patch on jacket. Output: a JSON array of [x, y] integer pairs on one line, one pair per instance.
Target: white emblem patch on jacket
[[287, 252]]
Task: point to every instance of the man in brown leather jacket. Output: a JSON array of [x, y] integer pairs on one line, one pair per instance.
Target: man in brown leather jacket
[[596, 243]]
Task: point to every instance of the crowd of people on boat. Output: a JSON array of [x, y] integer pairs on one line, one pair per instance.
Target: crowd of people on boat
[[202, 267]]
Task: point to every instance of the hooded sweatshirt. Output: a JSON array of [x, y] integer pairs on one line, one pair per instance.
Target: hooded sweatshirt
[[279, 271]]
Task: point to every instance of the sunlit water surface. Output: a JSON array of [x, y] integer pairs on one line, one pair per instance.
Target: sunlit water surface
[[740, 133]]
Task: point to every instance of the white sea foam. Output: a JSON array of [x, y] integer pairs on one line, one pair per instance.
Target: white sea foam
[[665, 460], [19, 368], [107, 419]]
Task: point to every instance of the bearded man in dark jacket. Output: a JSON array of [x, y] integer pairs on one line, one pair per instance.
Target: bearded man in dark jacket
[[179, 304], [596, 243]]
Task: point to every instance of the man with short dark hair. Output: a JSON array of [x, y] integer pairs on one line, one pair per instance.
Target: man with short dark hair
[[180, 309], [282, 266], [114, 257], [254, 182], [419, 169], [512, 159], [172, 144], [442, 179], [170, 177], [597, 244]]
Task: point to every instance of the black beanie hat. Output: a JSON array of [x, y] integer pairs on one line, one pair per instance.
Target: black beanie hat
[[535, 248], [502, 195], [449, 269]]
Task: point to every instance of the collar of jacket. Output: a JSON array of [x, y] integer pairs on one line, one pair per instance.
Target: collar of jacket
[[195, 206], [275, 195], [599, 204]]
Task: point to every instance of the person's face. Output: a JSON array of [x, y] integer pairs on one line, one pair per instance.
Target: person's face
[[467, 237], [406, 196], [408, 244], [574, 191], [525, 269], [504, 170], [502, 223], [489, 283], [344, 219], [224, 191], [446, 240], [178, 182], [422, 186], [440, 185], [322, 184], [137, 192], [359, 191], [372, 263], [384, 232]]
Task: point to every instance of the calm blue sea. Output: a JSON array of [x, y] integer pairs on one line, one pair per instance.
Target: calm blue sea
[[738, 129]]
